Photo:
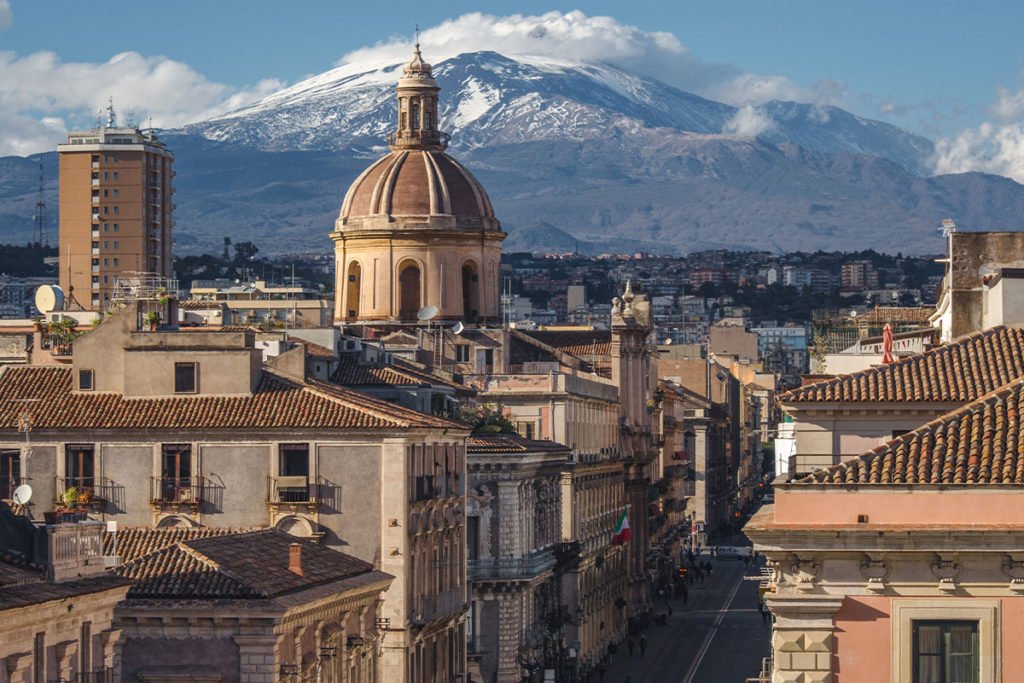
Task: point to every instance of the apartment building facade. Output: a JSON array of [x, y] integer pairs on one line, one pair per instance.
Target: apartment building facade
[[116, 211]]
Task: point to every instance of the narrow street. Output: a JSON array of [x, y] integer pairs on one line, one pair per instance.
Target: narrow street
[[718, 637]]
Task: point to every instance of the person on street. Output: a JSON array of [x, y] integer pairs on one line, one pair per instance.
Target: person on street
[[632, 646], [686, 596], [643, 645]]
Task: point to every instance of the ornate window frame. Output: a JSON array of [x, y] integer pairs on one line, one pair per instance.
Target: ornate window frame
[[984, 611]]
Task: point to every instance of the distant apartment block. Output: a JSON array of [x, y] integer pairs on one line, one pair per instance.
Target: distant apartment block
[[115, 210]]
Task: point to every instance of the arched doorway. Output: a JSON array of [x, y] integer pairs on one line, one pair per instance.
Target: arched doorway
[[354, 280], [470, 291], [408, 291]]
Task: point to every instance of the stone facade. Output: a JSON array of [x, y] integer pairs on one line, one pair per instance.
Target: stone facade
[[514, 521]]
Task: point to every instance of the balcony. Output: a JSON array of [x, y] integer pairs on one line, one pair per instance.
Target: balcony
[[427, 608], [293, 492], [173, 491], [522, 568], [476, 645], [85, 493], [676, 471], [75, 550]]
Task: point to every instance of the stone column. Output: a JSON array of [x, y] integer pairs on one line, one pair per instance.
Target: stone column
[[257, 659], [802, 637], [18, 667], [509, 636], [110, 641], [66, 653]]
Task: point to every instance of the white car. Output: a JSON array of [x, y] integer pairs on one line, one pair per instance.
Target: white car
[[729, 552]]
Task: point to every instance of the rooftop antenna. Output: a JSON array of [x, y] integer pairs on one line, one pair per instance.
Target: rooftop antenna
[[40, 218], [111, 115], [948, 227]]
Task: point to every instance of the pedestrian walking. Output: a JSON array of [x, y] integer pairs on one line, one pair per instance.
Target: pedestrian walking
[[686, 596], [632, 646], [643, 644]]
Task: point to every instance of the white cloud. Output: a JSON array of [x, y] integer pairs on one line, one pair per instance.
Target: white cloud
[[1009, 105], [6, 16], [988, 148], [748, 122], [41, 96], [574, 36]]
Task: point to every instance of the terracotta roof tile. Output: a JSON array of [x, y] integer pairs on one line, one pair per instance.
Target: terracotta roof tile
[[957, 372], [576, 342], [277, 403], [979, 443], [131, 543], [236, 566], [351, 372], [509, 443], [897, 314]]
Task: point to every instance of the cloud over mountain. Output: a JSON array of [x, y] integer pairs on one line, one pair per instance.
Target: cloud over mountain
[[577, 37]]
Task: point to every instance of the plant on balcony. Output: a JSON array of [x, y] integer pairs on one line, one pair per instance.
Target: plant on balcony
[[486, 418], [70, 498], [152, 320]]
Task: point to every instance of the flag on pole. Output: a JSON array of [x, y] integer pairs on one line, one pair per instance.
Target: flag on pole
[[621, 533]]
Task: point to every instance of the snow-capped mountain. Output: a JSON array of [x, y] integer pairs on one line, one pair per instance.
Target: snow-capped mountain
[[570, 153], [489, 99]]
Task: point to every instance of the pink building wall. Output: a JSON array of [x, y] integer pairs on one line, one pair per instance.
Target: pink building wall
[[897, 506], [863, 639]]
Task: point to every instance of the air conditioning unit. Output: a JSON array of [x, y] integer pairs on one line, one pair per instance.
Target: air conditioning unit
[[186, 494]]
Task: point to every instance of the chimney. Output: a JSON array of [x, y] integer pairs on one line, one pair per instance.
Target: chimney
[[295, 558]]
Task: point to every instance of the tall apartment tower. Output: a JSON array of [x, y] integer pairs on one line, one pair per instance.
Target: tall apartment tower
[[116, 210]]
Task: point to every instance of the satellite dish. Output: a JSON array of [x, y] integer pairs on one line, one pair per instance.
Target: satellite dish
[[459, 328], [428, 312], [49, 298], [668, 342], [22, 494]]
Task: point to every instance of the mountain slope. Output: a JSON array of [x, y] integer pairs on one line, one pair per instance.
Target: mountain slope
[[570, 153], [489, 99]]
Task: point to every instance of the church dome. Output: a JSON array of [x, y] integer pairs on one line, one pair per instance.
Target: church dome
[[417, 185]]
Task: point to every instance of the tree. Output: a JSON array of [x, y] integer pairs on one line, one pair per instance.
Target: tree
[[245, 251]]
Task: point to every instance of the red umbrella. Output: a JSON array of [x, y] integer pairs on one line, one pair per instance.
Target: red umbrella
[[887, 344]]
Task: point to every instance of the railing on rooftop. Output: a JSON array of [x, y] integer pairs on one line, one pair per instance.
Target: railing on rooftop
[[75, 549], [766, 672]]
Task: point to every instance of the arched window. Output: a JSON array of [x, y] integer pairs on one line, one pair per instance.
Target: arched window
[[427, 122], [470, 291], [415, 115], [409, 291], [352, 285]]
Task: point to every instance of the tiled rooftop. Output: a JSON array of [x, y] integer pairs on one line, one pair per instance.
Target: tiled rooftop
[[509, 443], [234, 566], [979, 443], [131, 543], [897, 314], [576, 342], [277, 403], [961, 371]]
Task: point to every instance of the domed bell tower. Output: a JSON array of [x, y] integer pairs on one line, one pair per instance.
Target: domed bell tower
[[416, 228]]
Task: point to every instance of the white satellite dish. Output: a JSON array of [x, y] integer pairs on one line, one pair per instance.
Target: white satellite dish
[[22, 494], [428, 312], [459, 328], [668, 342], [49, 298]]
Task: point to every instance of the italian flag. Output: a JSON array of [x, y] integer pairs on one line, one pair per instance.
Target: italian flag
[[621, 533]]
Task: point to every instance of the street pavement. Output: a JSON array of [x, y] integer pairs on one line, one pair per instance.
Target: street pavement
[[718, 637]]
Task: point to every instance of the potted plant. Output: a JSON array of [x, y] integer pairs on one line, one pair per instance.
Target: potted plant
[[152, 319], [37, 323]]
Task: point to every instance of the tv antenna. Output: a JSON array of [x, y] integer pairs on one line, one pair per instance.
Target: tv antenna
[[948, 227], [40, 218]]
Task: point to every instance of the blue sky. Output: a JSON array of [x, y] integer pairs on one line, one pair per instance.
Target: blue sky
[[940, 68]]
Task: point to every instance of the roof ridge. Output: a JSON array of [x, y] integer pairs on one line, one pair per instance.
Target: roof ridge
[[377, 407], [993, 397]]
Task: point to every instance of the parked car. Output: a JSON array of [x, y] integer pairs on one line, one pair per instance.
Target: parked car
[[730, 552]]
